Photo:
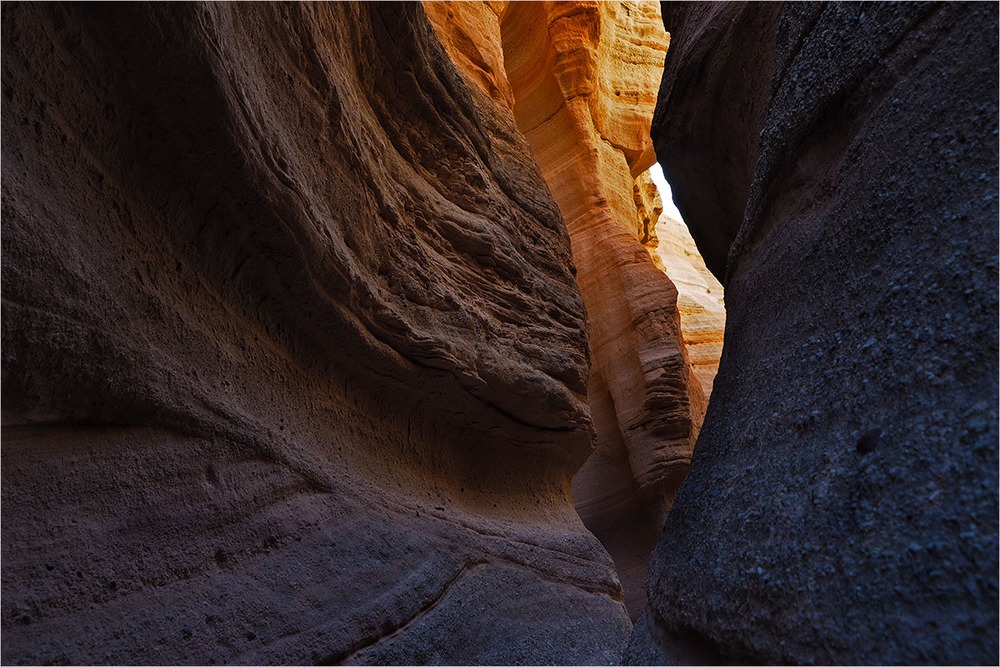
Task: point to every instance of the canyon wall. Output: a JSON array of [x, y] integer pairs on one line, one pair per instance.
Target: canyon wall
[[584, 105], [294, 362], [581, 78], [837, 164]]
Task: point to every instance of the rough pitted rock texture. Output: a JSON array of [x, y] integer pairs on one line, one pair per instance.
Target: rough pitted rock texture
[[582, 78], [649, 206], [841, 506], [294, 364]]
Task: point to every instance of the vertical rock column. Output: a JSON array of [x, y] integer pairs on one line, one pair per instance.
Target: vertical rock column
[[584, 83], [581, 81], [699, 293]]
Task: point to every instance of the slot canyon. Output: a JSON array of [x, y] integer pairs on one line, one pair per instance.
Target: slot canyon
[[362, 333]]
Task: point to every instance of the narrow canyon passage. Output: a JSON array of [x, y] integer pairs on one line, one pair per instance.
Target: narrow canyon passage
[[581, 81], [359, 333], [584, 83]]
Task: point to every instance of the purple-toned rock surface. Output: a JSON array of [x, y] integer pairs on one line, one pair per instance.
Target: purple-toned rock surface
[[294, 363], [837, 165]]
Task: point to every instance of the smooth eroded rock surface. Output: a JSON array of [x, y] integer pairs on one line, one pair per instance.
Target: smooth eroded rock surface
[[294, 364], [837, 165]]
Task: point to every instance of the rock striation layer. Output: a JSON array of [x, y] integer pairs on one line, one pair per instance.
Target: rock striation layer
[[582, 79], [294, 364], [837, 165]]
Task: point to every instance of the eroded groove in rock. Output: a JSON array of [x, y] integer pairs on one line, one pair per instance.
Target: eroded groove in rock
[[841, 505], [290, 340]]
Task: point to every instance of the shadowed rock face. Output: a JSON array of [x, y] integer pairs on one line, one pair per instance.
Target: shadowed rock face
[[294, 364], [841, 505]]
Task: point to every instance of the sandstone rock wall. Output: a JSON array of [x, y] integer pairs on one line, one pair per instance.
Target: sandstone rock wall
[[294, 364], [583, 90], [583, 79], [837, 164], [470, 34], [649, 207]]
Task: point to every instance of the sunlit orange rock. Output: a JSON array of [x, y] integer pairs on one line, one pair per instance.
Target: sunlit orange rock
[[649, 208], [470, 33], [699, 297], [699, 293], [584, 78]]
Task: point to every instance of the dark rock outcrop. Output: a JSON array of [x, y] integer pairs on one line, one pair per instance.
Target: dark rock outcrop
[[837, 165], [294, 364]]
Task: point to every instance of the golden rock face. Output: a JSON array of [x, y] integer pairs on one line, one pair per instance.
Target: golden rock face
[[700, 300], [583, 78], [470, 33]]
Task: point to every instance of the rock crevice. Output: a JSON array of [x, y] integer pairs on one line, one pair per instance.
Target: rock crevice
[[582, 78]]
